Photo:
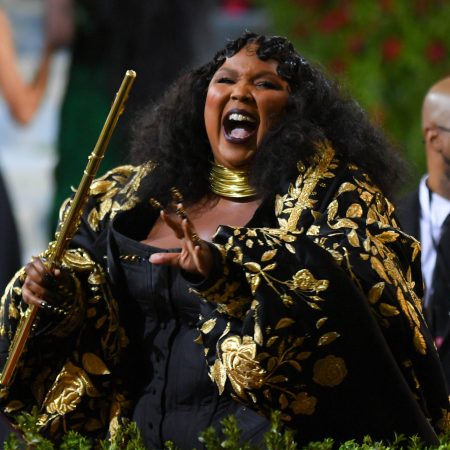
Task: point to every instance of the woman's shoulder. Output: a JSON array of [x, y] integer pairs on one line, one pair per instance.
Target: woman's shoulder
[[127, 177], [116, 191]]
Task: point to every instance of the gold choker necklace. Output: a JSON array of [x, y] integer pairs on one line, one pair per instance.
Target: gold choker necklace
[[230, 183]]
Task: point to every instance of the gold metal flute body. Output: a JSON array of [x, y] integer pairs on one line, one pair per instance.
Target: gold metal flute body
[[69, 223]]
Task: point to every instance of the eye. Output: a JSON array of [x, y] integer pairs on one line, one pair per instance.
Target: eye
[[225, 80], [266, 84]]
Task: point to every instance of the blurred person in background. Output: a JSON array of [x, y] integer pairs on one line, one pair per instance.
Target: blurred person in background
[[23, 99], [155, 38], [33, 34], [425, 214]]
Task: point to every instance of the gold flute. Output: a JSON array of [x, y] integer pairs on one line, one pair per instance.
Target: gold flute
[[70, 222]]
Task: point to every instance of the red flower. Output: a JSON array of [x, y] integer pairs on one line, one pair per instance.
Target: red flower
[[334, 20], [356, 44], [421, 6], [386, 5], [338, 65], [435, 51], [235, 6], [391, 48]]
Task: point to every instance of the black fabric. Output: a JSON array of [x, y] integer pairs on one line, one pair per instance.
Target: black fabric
[[438, 309], [10, 254], [343, 297], [175, 398], [408, 212]]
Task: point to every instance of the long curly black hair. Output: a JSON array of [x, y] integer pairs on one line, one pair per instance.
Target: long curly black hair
[[172, 132]]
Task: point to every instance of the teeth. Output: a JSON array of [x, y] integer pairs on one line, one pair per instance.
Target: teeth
[[241, 118]]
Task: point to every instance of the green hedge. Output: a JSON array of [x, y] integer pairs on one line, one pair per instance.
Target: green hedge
[[128, 438]]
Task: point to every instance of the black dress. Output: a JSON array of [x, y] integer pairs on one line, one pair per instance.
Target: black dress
[[176, 399]]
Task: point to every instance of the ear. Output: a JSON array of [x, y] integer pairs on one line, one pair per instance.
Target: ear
[[432, 139]]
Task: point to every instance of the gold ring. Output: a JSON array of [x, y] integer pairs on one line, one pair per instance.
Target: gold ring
[[195, 239], [181, 212], [176, 195], [153, 202]]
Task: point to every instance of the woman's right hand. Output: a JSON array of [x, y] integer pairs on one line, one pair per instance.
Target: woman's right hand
[[42, 285]]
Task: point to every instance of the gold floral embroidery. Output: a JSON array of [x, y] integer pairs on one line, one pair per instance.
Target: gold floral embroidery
[[305, 281], [94, 365], [208, 326], [329, 371], [240, 363], [444, 423], [304, 404], [358, 231], [121, 181], [68, 389]]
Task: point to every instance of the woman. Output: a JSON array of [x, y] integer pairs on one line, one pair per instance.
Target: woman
[[23, 99], [278, 233]]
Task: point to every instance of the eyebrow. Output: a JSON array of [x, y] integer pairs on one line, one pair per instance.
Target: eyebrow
[[258, 74]]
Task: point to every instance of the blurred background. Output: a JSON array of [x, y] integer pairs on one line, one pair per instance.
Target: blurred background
[[386, 53]]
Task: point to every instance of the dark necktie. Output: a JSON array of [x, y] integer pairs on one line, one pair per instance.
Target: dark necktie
[[438, 309]]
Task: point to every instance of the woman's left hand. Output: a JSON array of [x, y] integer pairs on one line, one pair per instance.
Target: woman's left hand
[[195, 256]]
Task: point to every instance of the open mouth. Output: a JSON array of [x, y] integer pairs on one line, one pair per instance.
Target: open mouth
[[239, 126]]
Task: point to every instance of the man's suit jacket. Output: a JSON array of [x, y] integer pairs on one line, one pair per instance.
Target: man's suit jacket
[[408, 213]]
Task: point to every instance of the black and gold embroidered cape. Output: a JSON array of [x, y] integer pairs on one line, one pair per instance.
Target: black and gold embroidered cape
[[319, 317]]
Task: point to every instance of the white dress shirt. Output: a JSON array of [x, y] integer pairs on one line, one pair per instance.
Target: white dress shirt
[[434, 210]]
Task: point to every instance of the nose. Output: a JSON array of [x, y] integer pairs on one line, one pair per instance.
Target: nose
[[241, 93]]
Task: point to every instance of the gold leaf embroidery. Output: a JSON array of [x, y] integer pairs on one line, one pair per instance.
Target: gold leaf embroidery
[[419, 342], [283, 401], [353, 238], [387, 236], [303, 355], [94, 365], [332, 210], [379, 268], [253, 267], [13, 405], [219, 375], [327, 338], [388, 310], [376, 291], [268, 255], [354, 210], [343, 223], [208, 326], [346, 187], [290, 248], [283, 323]]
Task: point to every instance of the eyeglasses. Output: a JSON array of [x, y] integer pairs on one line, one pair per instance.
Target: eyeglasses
[[443, 128]]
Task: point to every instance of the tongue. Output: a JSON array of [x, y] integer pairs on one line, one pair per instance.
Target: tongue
[[239, 133]]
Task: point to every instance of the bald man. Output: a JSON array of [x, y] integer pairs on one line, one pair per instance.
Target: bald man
[[423, 212]]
